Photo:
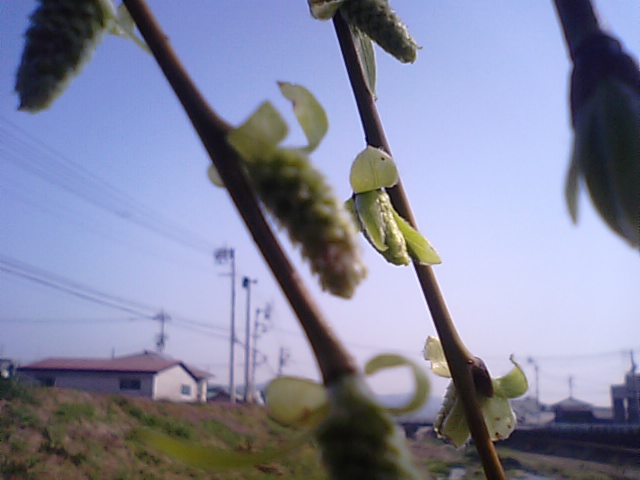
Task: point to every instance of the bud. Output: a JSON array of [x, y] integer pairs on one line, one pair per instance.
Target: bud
[[359, 439], [493, 396], [605, 108], [60, 39], [378, 20], [300, 199]]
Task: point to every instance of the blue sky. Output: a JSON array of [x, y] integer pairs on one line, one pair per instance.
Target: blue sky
[[479, 128]]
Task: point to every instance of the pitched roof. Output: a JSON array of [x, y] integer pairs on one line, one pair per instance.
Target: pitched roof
[[572, 404], [145, 362]]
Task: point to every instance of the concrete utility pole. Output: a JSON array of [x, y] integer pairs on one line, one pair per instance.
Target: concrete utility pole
[[570, 386], [285, 355], [248, 384], [162, 337], [258, 329], [224, 255], [536, 369]]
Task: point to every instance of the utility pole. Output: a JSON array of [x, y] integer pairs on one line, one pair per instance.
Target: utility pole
[[162, 337], [285, 355], [570, 386], [258, 329], [248, 387], [224, 255], [536, 369]]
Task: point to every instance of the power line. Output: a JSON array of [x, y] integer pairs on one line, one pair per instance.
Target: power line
[[89, 224], [35, 157], [21, 269], [66, 321]]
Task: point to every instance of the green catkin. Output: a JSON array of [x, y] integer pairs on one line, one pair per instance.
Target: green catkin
[[60, 39], [359, 440], [378, 20], [302, 202]]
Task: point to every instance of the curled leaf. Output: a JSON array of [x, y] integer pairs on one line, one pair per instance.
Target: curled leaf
[[418, 247], [421, 391], [366, 57], [451, 421], [259, 136], [371, 218], [375, 214], [514, 384], [434, 353], [310, 114], [372, 169], [296, 402]]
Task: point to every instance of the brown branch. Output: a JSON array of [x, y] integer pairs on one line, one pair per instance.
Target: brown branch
[[460, 360], [578, 21], [332, 357]]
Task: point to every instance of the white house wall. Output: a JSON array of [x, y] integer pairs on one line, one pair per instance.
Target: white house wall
[[169, 383]]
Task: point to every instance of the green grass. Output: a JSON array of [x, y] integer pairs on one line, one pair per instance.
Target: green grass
[[62, 434]]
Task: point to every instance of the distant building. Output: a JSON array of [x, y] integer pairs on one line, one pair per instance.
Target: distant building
[[626, 399], [572, 410], [146, 374]]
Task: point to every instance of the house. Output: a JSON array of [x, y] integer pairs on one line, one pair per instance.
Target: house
[[572, 410], [147, 374]]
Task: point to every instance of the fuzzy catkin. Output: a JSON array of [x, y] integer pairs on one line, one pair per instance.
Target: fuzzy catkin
[[378, 20], [302, 202], [359, 440], [61, 37]]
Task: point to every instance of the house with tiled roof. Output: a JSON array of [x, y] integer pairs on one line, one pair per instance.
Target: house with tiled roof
[[146, 374]]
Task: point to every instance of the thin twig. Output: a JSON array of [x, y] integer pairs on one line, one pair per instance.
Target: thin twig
[[460, 360], [333, 359]]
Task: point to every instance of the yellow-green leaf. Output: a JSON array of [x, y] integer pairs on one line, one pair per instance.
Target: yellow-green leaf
[[124, 26], [372, 169], [434, 353], [513, 384], [366, 56], [451, 422], [324, 9], [211, 458], [259, 134], [498, 416], [419, 247], [421, 391], [296, 402], [310, 114], [371, 220], [214, 176]]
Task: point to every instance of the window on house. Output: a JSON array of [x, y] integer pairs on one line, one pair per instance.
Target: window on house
[[185, 390], [130, 384], [47, 381]]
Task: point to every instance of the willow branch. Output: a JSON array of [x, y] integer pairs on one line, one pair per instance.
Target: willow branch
[[332, 357], [460, 360], [578, 20]]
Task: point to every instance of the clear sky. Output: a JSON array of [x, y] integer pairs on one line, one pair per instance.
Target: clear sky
[[108, 190]]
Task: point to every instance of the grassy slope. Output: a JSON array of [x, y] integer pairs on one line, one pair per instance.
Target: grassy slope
[[63, 434]]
